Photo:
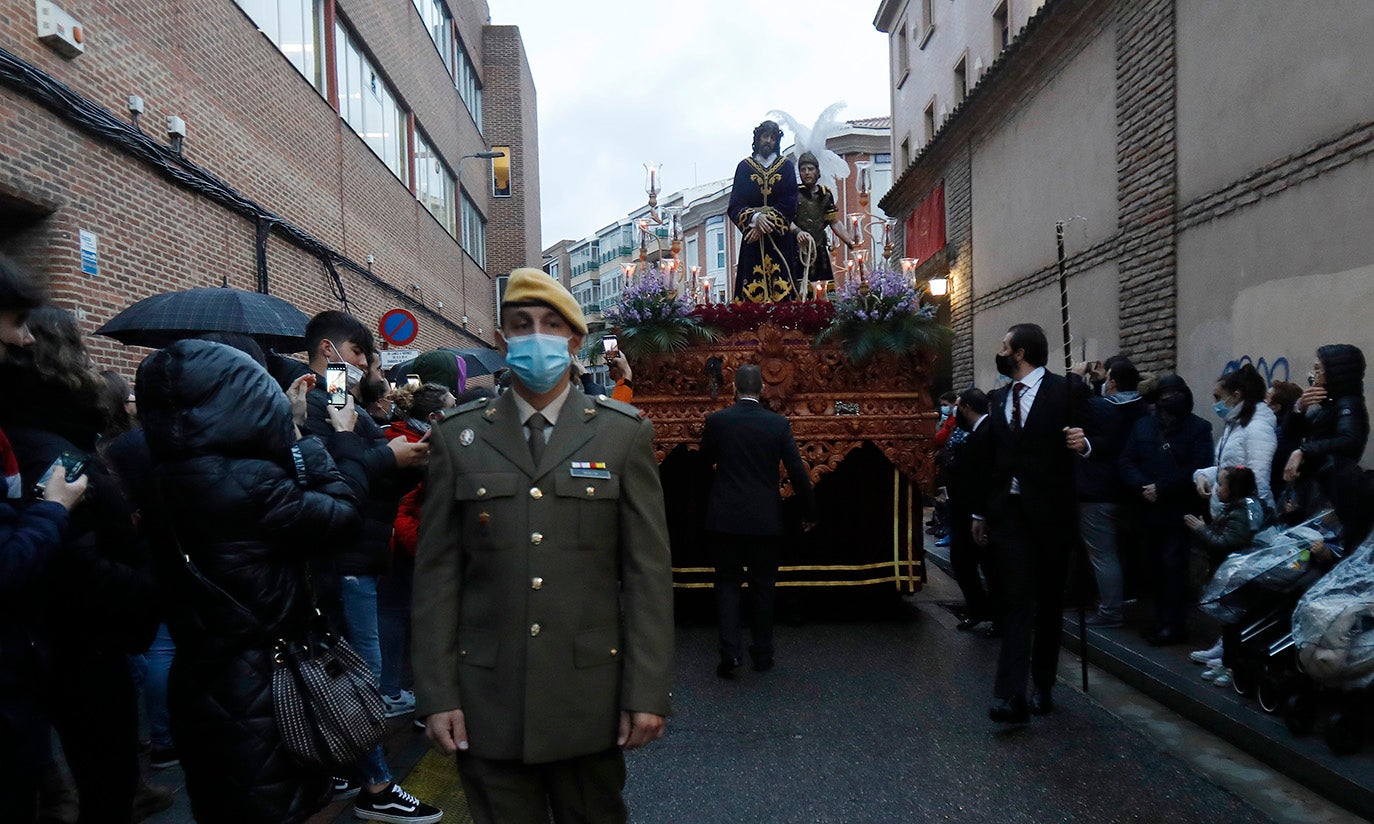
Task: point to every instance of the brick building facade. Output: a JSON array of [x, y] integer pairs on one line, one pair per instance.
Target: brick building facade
[[270, 158], [1215, 182]]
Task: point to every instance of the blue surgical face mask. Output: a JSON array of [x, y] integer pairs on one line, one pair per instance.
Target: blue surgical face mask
[[946, 411], [539, 361], [1221, 409]]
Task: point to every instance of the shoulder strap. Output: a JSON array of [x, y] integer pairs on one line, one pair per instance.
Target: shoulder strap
[[218, 590]]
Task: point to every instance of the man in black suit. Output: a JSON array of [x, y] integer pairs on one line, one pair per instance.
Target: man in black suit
[[1030, 515], [966, 487], [744, 521]]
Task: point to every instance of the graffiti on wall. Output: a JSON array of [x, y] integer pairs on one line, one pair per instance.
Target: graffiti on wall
[[1275, 371]]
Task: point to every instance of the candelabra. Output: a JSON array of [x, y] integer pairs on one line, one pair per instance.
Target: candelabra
[[865, 223], [671, 218]]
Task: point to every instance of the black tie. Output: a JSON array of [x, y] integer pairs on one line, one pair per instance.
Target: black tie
[[1016, 390], [536, 423]]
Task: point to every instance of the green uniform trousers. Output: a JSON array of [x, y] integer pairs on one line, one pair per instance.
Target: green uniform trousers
[[575, 790]]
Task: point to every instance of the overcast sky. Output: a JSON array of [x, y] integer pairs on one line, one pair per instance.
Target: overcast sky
[[684, 83]]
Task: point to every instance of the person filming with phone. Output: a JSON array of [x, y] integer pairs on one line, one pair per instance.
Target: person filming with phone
[[31, 538], [343, 360]]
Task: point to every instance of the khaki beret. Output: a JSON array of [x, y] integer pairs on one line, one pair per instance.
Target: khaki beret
[[528, 287]]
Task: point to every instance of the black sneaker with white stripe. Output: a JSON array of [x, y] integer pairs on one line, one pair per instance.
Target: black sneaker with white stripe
[[394, 804]]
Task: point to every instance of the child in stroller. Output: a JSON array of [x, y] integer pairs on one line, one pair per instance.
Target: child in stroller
[[1231, 531]]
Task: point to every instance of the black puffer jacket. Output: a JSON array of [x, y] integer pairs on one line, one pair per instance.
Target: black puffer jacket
[[97, 592], [249, 505], [1337, 429], [368, 551]]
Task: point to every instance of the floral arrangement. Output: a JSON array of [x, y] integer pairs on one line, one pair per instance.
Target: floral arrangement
[[652, 317], [885, 313], [809, 316]]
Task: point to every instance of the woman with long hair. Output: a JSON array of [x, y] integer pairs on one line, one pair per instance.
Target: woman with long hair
[[1248, 437], [99, 594]]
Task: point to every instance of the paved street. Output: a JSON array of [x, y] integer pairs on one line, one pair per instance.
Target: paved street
[[884, 721]]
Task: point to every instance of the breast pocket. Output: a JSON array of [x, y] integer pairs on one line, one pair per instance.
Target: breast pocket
[[487, 504], [594, 503]]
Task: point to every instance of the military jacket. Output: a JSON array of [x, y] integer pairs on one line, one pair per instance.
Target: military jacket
[[543, 594]]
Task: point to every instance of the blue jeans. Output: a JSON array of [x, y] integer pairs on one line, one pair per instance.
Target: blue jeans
[[360, 614], [393, 616], [159, 661], [1098, 522]]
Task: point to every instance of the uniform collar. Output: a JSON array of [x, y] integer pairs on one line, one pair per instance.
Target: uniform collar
[[550, 412]]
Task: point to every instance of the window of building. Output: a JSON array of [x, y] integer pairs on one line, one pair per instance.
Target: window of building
[[296, 27], [368, 105], [552, 269], [689, 253], [906, 152], [440, 26], [928, 19], [903, 55], [474, 232], [1001, 25], [468, 84], [715, 244], [930, 121], [881, 176], [434, 186], [961, 79]]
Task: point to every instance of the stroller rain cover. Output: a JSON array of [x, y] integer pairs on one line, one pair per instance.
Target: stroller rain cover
[[1333, 624]]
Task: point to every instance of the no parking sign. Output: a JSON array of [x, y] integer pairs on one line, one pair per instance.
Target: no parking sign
[[398, 327]]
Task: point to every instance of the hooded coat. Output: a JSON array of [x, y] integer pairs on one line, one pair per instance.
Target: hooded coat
[[249, 505], [1166, 452], [1338, 428]]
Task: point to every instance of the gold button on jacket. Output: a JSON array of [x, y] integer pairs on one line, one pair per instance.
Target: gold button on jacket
[[490, 638]]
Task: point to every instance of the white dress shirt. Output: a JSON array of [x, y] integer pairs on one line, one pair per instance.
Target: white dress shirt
[[549, 412], [1032, 383]]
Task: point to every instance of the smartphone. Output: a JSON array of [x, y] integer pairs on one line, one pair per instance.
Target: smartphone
[[336, 384], [609, 343], [412, 381], [73, 464]]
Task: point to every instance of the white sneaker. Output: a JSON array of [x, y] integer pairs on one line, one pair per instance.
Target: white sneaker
[[1212, 671], [1205, 656], [1223, 678], [399, 704]]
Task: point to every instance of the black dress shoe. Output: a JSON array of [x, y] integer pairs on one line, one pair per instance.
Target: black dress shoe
[[727, 666], [1166, 637], [1009, 711], [1040, 702]]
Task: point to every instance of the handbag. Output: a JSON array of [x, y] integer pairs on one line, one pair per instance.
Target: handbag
[[327, 705]]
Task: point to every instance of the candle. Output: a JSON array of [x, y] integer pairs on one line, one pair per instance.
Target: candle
[[856, 227], [887, 232], [675, 230], [629, 270], [908, 265], [865, 181], [651, 177]]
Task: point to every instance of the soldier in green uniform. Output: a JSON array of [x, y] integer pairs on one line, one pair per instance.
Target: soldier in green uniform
[[816, 210], [543, 617]]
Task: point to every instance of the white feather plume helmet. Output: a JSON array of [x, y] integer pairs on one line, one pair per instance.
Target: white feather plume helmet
[[813, 140]]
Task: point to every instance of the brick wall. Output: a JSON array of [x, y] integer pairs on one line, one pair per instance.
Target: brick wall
[[260, 126], [1147, 181], [509, 112]]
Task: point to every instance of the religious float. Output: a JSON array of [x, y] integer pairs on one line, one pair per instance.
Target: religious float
[[850, 367]]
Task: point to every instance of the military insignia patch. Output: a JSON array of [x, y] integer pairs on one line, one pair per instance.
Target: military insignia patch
[[466, 437], [590, 469]]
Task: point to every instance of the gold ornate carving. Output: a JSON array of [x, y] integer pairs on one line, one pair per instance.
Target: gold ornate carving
[[802, 382]]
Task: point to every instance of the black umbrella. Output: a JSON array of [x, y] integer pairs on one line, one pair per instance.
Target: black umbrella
[[480, 360], [172, 316]]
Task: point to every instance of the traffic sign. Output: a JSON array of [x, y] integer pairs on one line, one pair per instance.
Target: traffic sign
[[398, 327]]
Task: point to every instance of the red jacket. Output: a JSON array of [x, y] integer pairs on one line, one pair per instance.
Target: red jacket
[[405, 533]]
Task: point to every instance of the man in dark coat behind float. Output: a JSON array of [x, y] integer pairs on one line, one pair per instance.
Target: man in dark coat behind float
[[763, 203]]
